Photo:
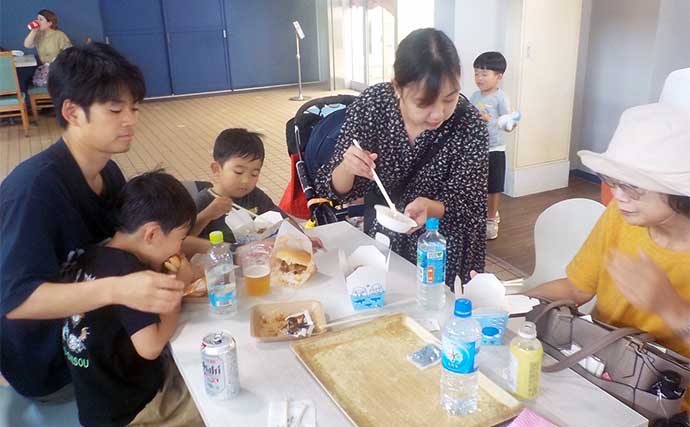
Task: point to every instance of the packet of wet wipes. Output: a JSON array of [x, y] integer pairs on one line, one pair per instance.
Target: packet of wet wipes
[[426, 356]]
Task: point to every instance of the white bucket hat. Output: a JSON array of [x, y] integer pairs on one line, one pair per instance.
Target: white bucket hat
[[650, 149], [676, 89]]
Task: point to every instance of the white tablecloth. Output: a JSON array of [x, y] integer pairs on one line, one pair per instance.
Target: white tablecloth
[[270, 371]]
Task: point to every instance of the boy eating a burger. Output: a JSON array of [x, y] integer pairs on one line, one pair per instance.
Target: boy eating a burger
[[114, 352]]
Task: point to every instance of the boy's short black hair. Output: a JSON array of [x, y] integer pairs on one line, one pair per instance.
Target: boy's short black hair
[[154, 197], [238, 142], [494, 61], [92, 73]]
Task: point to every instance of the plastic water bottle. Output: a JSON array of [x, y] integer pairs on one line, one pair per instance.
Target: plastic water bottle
[[220, 276], [460, 359], [507, 121], [526, 355], [431, 268]]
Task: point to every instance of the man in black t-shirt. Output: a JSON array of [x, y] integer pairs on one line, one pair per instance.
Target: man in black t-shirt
[[55, 204], [114, 352]]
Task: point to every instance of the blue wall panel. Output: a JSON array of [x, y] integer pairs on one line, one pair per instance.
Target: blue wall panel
[[136, 29], [262, 41], [198, 57]]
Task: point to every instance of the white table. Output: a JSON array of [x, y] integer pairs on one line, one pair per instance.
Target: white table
[[28, 60], [270, 371]]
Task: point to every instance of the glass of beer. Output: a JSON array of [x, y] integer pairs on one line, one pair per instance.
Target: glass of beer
[[256, 268]]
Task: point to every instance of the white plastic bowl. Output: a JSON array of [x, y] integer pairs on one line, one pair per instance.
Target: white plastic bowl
[[394, 221]]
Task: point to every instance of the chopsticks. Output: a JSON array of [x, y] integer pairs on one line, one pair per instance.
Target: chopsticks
[[234, 205], [379, 183]]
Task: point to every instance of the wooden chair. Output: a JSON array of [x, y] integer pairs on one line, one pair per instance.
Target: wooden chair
[[11, 97], [39, 99]]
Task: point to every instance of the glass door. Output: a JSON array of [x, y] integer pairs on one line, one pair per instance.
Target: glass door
[[364, 36], [381, 31]]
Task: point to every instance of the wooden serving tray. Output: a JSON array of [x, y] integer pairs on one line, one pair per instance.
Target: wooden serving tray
[[365, 370]]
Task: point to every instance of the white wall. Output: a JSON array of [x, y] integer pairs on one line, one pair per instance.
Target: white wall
[[631, 47], [480, 26], [414, 14], [672, 44], [578, 103], [444, 16]]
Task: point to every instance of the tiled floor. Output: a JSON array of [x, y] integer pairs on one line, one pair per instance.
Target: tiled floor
[[178, 134], [502, 269]]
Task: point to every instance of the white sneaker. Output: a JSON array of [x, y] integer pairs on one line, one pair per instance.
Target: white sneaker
[[491, 229]]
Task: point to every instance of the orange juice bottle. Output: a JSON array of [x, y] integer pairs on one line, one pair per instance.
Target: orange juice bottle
[[526, 355]]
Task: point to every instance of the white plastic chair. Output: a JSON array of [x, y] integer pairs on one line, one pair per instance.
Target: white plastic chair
[[559, 233]]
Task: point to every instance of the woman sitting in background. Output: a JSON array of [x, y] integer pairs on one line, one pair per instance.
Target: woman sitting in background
[[48, 41]]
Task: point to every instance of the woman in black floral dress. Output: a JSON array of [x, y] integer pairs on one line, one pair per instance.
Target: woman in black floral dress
[[429, 146]]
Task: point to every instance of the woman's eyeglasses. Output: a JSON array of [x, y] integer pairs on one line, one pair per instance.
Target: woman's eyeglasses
[[630, 190]]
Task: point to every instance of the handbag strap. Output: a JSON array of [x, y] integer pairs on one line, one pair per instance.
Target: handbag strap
[[556, 304], [584, 353]]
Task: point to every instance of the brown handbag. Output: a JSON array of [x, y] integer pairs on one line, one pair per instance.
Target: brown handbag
[[633, 362]]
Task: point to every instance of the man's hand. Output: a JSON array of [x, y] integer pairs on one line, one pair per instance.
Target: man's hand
[[148, 291]]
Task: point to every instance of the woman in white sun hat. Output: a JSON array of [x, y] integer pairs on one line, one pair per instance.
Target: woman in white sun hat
[[637, 259]]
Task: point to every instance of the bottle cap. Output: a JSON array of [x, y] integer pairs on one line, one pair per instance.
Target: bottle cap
[[432, 224], [215, 237], [528, 331], [463, 307], [490, 332]]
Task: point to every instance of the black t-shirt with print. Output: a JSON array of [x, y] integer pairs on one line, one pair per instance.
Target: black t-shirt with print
[[48, 213], [112, 383]]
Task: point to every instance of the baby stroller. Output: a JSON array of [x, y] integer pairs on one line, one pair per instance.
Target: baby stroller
[[311, 136]]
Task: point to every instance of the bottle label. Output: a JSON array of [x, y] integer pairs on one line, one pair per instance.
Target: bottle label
[[524, 372], [219, 300], [431, 266], [513, 370], [460, 358]]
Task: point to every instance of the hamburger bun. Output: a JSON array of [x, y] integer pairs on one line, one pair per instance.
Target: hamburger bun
[[172, 264], [292, 267], [295, 256]]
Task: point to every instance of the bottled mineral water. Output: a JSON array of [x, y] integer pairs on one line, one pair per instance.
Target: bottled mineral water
[[459, 357], [431, 268], [220, 276]]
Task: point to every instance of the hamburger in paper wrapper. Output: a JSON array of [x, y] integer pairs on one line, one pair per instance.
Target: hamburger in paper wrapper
[[292, 261]]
